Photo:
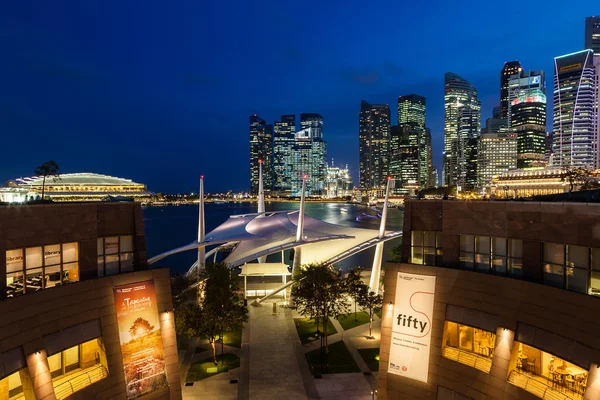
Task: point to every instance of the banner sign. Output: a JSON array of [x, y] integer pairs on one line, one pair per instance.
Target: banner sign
[[411, 326], [139, 335]]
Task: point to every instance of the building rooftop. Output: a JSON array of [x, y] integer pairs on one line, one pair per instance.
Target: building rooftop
[[83, 178]]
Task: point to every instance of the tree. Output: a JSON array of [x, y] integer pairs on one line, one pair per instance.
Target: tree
[[371, 302], [354, 285], [47, 169], [140, 328], [319, 293], [574, 176], [221, 309]]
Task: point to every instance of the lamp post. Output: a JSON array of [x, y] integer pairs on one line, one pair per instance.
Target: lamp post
[[373, 394]]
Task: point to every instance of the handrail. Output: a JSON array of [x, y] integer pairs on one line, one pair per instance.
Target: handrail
[[529, 379], [62, 390]]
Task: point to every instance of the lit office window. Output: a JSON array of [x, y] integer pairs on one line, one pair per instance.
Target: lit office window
[[35, 268], [467, 345], [77, 367], [115, 255], [426, 248]]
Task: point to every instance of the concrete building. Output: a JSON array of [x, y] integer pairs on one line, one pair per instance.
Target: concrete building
[[66, 328], [508, 70], [592, 35], [504, 297], [497, 154], [338, 182], [529, 182], [374, 143]]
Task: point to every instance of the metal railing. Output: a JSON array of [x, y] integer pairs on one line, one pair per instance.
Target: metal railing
[[78, 381], [536, 387], [474, 360]]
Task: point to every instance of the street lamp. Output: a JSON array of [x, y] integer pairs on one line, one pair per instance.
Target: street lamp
[[373, 394]]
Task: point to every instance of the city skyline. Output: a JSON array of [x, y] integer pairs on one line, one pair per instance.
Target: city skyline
[[157, 112]]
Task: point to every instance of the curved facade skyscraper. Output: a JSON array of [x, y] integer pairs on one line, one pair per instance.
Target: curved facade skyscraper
[[575, 110], [462, 121]]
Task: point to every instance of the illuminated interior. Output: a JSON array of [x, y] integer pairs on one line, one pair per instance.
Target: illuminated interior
[[467, 345], [542, 373], [11, 387], [77, 367]]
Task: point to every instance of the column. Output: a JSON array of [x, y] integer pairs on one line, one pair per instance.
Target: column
[[37, 364]]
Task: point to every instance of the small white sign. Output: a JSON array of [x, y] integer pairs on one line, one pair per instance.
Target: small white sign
[[411, 326]]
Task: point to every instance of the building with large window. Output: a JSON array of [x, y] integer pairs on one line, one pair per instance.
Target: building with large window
[[527, 117], [261, 148], [497, 154], [462, 121], [73, 187], [493, 300], [338, 182], [529, 182], [284, 134], [374, 142], [405, 156], [592, 35], [508, 70], [70, 275], [575, 110], [309, 154]]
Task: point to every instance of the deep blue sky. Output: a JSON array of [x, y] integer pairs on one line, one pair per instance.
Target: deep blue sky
[[160, 92]]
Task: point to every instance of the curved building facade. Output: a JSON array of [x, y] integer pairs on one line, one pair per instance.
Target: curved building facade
[[505, 297]]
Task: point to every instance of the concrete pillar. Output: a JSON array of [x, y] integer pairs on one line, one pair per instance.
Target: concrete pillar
[[169, 342], [26, 384], [593, 383], [502, 353], [39, 371]]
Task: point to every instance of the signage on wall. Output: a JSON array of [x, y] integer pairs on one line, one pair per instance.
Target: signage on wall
[[411, 326], [140, 338]]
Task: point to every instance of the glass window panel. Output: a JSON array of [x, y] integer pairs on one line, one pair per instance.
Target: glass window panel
[[596, 259], [70, 272], [515, 266], [55, 364], [112, 264], [14, 284], [101, 266], [100, 246], [466, 260], [577, 279], [417, 238], [499, 247], [52, 276], [554, 275], [482, 244], [578, 256], [416, 255], [499, 266], [467, 243], [33, 257], [71, 356], [33, 280], [52, 254], [15, 386], [595, 284], [554, 253], [516, 248], [14, 260], [451, 334], [126, 244], [127, 262], [111, 245], [465, 337], [429, 239], [482, 262], [429, 255], [70, 252], [438, 238]]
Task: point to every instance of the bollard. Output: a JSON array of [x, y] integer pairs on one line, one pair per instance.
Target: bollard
[[274, 308]]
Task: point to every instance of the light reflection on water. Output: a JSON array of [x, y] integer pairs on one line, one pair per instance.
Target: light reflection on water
[[173, 226]]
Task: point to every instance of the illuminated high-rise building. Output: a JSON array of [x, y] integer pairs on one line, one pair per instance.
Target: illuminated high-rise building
[[261, 149], [374, 142], [309, 156], [462, 121], [575, 110], [338, 182], [510, 68], [592, 35], [284, 134], [527, 117], [497, 154], [405, 154], [412, 109], [431, 180]]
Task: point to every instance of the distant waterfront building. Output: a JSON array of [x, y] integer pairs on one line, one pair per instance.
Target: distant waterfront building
[[74, 187], [261, 148], [413, 109], [527, 117], [309, 158], [495, 125], [338, 182], [592, 35], [575, 110], [431, 180], [405, 151], [497, 154], [374, 142], [462, 121], [510, 68], [311, 120], [284, 134], [529, 182]]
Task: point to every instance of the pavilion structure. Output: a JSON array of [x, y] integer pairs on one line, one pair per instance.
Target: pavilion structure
[[253, 237]]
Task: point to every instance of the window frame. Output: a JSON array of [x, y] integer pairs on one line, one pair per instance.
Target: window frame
[[101, 258], [423, 250]]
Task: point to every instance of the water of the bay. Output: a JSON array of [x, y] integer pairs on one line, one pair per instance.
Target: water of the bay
[[173, 226]]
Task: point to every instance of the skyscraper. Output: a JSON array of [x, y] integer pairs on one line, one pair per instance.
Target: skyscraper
[[374, 141], [283, 143], [462, 121], [527, 117], [338, 182], [431, 180], [261, 148], [575, 110], [412, 109], [405, 151], [309, 157], [592, 35], [311, 120], [510, 68], [497, 153]]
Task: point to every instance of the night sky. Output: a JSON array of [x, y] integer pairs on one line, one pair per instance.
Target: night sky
[[160, 92]]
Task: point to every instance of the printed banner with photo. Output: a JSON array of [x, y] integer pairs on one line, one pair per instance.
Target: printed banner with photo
[[139, 334], [411, 326]]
